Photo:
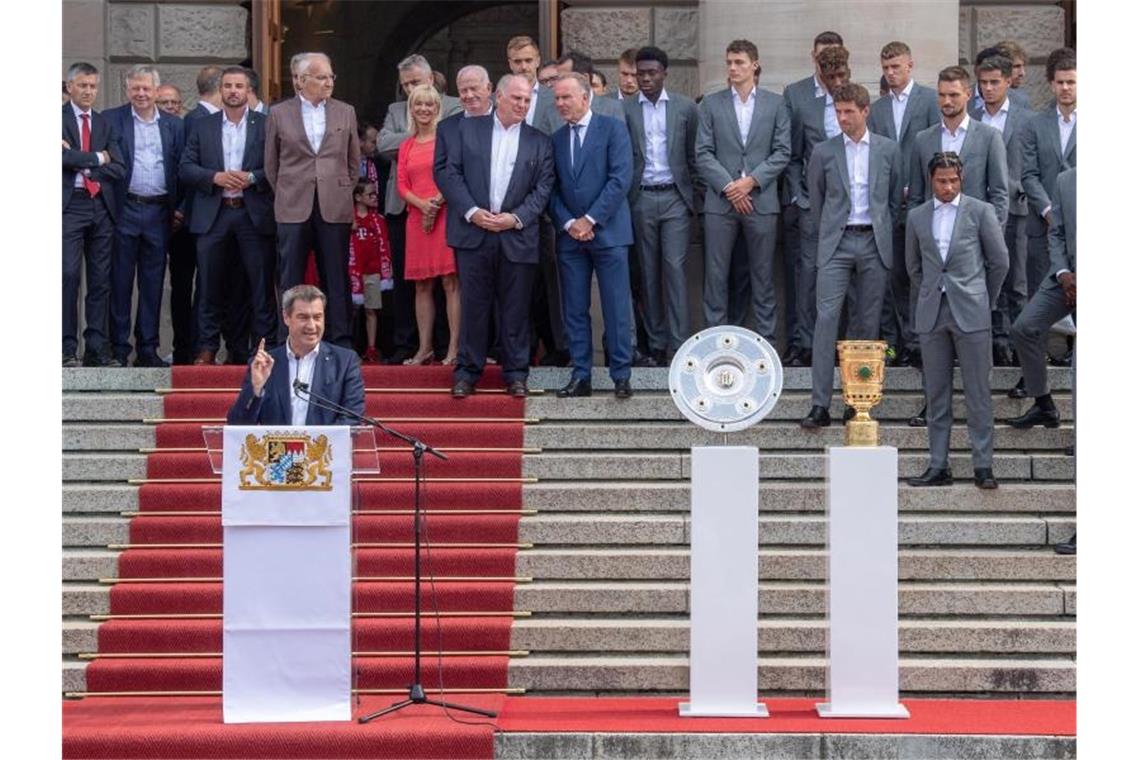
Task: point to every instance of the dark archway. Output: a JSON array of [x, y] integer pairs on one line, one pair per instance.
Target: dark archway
[[367, 39]]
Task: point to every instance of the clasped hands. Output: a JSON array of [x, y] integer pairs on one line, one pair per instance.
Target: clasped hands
[[739, 194], [235, 179], [581, 229], [500, 222]]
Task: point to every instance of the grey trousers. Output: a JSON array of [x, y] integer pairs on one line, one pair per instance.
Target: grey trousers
[[1037, 256], [1015, 289], [1031, 333], [857, 254], [760, 235], [661, 229], [805, 281], [975, 359]]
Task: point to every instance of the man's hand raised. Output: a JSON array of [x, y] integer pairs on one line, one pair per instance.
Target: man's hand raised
[[260, 368]]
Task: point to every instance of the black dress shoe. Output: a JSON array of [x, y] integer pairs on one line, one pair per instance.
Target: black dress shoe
[[984, 478], [1018, 391], [848, 413], [802, 359], [918, 420], [71, 360], [1064, 361], [622, 389], [462, 389], [661, 358], [932, 477], [576, 389], [149, 359], [397, 357], [1037, 415], [643, 360], [517, 388], [1071, 451], [913, 358], [789, 356], [818, 417], [1067, 547], [1003, 357], [99, 360]]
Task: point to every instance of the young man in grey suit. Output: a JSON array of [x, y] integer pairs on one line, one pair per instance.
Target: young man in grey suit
[[743, 145], [956, 256], [855, 180], [906, 109], [797, 96], [663, 132], [814, 123], [1000, 111]]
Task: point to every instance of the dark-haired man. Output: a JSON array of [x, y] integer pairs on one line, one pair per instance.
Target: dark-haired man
[[1016, 55], [855, 180], [906, 109], [957, 260], [743, 145], [663, 132]]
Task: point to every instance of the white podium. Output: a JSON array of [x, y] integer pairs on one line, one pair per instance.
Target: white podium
[[724, 585], [287, 569], [862, 584]]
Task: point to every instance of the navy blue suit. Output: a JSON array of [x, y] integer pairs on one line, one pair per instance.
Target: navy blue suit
[[495, 268], [142, 230], [595, 184], [336, 377], [221, 224], [88, 226]]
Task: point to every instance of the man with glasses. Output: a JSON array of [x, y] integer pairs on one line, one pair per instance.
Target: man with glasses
[[312, 159], [168, 98]]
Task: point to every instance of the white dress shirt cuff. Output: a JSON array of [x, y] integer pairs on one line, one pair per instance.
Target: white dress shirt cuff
[[590, 219], [1046, 210], [470, 213], [518, 222], [567, 225], [1060, 272]]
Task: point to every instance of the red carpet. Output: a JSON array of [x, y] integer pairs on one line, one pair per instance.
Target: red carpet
[[787, 716], [174, 564]]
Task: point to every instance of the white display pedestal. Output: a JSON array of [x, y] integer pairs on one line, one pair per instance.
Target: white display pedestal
[[862, 584], [723, 597]]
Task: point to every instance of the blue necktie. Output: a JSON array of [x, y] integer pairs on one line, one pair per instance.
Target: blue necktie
[[577, 130]]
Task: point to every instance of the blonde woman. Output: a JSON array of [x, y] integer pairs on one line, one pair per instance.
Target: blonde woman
[[427, 254]]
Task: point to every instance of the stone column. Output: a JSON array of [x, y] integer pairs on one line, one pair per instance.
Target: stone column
[[783, 31], [84, 39]]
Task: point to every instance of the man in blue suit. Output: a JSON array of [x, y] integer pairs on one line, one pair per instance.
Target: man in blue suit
[[497, 176], [268, 395], [223, 168], [151, 142], [593, 162]]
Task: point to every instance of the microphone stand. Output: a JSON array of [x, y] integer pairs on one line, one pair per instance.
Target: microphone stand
[[416, 693]]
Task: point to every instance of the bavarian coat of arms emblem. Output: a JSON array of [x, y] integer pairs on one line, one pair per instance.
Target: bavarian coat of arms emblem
[[286, 461]]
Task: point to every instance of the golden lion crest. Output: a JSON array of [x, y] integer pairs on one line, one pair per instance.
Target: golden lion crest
[[286, 461]]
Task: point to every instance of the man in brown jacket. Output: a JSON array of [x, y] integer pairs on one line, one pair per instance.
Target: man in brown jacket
[[312, 156]]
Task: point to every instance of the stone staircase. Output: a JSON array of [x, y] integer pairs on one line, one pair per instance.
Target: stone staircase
[[987, 608]]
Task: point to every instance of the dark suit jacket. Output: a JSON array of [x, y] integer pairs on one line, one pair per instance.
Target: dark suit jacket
[[170, 130], [467, 183], [103, 137], [1012, 135], [336, 377], [681, 120], [597, 184], [203, 158]]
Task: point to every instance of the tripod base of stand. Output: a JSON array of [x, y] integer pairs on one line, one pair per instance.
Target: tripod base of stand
[[416, 696]]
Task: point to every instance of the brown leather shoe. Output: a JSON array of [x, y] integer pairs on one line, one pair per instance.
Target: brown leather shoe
[[204, 358]]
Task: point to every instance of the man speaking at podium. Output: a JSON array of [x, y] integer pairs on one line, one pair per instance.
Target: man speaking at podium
[[271, 394]]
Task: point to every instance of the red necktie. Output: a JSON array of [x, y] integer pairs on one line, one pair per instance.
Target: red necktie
[[91, 185]]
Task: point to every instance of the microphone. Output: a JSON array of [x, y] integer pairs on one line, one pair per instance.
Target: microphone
[[300, 386]]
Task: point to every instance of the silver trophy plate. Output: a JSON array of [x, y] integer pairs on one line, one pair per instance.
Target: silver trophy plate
[[726, 378]]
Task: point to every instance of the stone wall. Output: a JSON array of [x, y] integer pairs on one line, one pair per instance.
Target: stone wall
[[603, 30], [1036, 25]]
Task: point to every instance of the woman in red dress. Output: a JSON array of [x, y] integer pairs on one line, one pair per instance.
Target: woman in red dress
[[427, 254]]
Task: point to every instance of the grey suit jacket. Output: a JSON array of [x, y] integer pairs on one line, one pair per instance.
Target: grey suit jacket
[[392, 134], [722, 156], [1042, 159], [972, 274], [806, 112], [830, 187], [1011, 134], [681, 119], [986, 173], [920, 112], [1063, 232]]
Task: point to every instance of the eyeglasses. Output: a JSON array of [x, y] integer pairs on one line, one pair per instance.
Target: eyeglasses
[[322, 78], [169, 102]]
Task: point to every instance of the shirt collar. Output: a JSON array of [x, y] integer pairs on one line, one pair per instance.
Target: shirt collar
[[901, 97], [241, 121], [79, 111], [642, 99], [210, 107], [499, 125], [1061, 116], [819, 91], [290, 353], [939, 204], [141, 120], [1003, 109], [961, 127], [864, 140], [736, 96], [584, 122], [306, 103]]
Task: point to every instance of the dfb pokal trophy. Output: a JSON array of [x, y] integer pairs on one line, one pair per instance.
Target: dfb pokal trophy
[[862, 368], [862, 550], [724, 379]]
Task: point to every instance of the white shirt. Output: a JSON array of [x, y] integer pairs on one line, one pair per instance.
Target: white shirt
[[147, 175], [1066, 128], [942, 227], [859, 174], [79, 127], [533, 103], [830, 120], [744, 109], [657, 171], [210, 107], [504, 151], [314, 118], [300, 368], [898, 106], [997, 121], [233, 147], [953, 140]]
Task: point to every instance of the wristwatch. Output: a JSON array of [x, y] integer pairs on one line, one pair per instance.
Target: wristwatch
[[252, 179]]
